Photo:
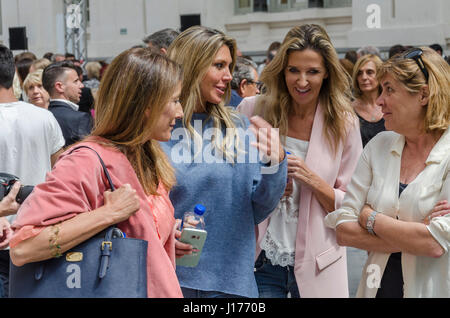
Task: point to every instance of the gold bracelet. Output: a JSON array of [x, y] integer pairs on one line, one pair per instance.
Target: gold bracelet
[[53, 242]]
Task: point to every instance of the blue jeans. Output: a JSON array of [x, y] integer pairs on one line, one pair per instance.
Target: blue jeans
[[195, 293], [4, 274], [274, 281]]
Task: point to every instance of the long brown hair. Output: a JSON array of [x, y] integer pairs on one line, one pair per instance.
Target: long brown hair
[[275, 105], [138, 80]]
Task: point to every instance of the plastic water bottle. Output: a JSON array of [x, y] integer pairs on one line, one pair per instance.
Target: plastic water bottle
[[288, 179], [194, 219]]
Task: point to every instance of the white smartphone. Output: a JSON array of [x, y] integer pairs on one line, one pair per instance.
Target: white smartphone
[[196, 238]]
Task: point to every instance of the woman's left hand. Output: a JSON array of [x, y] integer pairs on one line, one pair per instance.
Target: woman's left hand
[[364, 215], [181, 249]]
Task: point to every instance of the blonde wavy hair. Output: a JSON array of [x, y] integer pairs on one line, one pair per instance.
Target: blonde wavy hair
[[195, 49], [137, 81], [363, 60], [275, 105], [407, 72]]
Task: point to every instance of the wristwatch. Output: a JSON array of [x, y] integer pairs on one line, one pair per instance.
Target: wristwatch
[[371, 222]]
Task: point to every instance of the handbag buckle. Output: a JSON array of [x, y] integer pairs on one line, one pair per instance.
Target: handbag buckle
[[106, 243]]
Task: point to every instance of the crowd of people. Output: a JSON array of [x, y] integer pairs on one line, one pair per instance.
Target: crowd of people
[[349, 152]]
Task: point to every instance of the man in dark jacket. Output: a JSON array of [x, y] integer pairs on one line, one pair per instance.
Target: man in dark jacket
[[64, 86]]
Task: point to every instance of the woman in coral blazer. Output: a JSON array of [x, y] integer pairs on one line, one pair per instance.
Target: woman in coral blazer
[[321, 131]]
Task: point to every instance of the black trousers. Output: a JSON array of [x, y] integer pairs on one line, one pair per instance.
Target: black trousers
[[392, 282]]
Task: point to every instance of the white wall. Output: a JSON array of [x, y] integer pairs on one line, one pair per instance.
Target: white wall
[[416, 22], [413, 22]]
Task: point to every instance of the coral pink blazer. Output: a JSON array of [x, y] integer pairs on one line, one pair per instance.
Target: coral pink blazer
[[320, 264]]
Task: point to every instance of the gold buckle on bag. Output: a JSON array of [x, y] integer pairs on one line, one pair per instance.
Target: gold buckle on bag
[[106, 243]]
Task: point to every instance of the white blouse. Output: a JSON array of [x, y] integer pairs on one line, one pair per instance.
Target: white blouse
[[376, 182], [279, 240]]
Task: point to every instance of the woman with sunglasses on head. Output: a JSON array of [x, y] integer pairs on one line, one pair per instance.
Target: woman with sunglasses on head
[[205, 151], [137, 107], [308, 98], [396, 205]]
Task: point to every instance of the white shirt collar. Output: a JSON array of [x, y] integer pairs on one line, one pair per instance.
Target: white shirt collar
[[437, 154], [68, 102]]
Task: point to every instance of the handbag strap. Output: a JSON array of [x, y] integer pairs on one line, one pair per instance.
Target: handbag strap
[[105, 170], [106, 247]]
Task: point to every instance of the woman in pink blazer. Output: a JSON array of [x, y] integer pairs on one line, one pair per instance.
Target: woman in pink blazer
[[137, 107], [307, 97]]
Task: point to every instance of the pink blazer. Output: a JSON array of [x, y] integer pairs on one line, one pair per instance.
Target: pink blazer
[[320, 264]]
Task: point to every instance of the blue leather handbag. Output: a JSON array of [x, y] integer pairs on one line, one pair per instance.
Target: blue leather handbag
[[107, 265]]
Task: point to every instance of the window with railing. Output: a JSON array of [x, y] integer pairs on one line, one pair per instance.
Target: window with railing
[[337, 3], [249, 6], [260, 6]]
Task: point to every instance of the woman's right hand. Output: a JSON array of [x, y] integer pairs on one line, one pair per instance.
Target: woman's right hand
[[122, 203]]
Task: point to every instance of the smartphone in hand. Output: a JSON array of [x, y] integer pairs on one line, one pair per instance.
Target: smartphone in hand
[[196, 238]]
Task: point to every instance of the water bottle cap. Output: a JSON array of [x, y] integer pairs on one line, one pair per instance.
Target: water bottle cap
[[288, 153], [199, 209]]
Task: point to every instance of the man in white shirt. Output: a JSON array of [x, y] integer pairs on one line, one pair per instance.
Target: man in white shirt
[[64, 86], [30, 142]]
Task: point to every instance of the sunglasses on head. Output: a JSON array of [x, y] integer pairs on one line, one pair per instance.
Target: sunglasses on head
[[415, 54]]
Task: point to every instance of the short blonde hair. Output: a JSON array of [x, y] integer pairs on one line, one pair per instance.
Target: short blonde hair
[[408, 73], [93, 70], [41, 64], [34, 78], [359, 64]]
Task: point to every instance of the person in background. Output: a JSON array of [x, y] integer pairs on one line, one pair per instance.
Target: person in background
[[396, 205], [352, 56], [37, 95], [86, 103], [58, 58], [271, 52], [245, 81], [40, 64], [396, 49], [365, 50], [48, 56], [93, 76], [63, 84], [437, 48], [161, 40], [238, 192], [366, 91], [139, 87], [30, 143], [347, 65], [297, 253]]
